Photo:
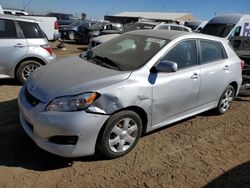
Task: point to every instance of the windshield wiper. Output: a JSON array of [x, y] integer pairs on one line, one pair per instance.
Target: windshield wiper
[[105, 61]]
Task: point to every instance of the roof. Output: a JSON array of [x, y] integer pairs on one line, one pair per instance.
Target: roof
[[21, 18], [164, 34], [158, 15], [227, 18], [172, 34]]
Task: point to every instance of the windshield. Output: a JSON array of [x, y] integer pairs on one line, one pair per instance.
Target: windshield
[[127, 52], [221, 30]]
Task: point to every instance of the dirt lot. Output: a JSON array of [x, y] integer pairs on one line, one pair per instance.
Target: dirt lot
[[206, 150]]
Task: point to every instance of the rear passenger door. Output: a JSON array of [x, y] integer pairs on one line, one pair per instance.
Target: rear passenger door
[[12, 45], [215, 70]]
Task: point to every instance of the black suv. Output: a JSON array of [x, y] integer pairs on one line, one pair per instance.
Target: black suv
[[62, 19]]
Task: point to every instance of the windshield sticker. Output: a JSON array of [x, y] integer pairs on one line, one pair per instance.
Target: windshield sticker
[[155, 40]]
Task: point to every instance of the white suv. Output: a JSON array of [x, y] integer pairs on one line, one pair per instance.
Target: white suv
[[23, 47]]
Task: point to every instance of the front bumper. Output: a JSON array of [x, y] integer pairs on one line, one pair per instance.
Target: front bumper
[[41, 125]]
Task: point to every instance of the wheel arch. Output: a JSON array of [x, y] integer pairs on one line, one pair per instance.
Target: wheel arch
[[235, 86], [140, 111], [27, 59]]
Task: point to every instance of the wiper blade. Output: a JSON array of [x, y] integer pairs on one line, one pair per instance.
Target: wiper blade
[[105, 61]]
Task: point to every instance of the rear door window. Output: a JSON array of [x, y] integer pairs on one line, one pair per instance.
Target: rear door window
[[176, 28], [31, 30], [211, 51], [7, 29]]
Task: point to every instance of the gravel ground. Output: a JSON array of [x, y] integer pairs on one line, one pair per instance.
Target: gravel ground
[[202, 151]]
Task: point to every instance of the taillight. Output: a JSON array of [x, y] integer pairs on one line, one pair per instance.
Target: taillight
[[47, 48], [242, 64], [56, 25]]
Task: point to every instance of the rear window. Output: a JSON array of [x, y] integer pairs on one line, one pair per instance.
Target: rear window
[[31, 30], [7, 29], [211, 51]]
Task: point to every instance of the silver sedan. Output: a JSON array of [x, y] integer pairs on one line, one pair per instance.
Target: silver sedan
[[135, 83]]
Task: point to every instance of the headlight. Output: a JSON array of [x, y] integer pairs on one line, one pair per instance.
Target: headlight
[[72, 103]]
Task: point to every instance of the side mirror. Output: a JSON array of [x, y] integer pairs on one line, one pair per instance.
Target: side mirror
[[165, 66]]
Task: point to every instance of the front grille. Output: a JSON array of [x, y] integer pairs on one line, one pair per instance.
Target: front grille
[[31, 99]]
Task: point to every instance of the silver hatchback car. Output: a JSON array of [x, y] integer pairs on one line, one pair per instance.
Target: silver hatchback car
[[23, 47], [134, 83]]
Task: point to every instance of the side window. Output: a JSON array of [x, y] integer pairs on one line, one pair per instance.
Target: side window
[[184, 54], [184, 29], [7, 12], [176, 28], [165, 27], [31, 30], [211, 51], [7, 29]]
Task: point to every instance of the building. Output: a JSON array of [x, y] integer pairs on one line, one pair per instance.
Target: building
[[127, 17]]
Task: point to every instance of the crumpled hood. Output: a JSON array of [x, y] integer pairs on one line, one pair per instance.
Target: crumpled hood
[[71, 76]]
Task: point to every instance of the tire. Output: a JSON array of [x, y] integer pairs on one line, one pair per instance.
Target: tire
[[26, 68], [120, 135], [226, 100], [71, 35]]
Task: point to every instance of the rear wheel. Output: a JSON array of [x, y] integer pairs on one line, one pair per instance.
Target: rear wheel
[[121, 133], [226, 100], [26, 68], [72, 35]]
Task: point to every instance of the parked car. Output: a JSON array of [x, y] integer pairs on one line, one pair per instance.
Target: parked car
[[174, 27], [100, 28], [137, 82], [70, 31], [136, 26], [196, 26], [23, 47], [241, 46], [228, 26], [63, 19]]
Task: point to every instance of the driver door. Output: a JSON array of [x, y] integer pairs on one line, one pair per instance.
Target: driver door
[[177, 92]]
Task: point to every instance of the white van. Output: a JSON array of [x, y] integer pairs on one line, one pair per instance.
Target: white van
[[228, 26]]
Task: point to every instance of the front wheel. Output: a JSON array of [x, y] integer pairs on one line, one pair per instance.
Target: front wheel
[[121, 133], [226, 100], [26, 68]]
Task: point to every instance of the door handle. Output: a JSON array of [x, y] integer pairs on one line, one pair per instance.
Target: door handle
[[226, 67], [195, 76], [19, 45]]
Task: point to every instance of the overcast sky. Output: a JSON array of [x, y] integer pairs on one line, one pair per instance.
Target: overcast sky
[[201, 9]]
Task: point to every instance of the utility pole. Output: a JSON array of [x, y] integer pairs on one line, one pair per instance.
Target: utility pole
[[25, 5]]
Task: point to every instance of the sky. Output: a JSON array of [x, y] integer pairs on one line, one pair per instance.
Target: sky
[[96, 9]]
